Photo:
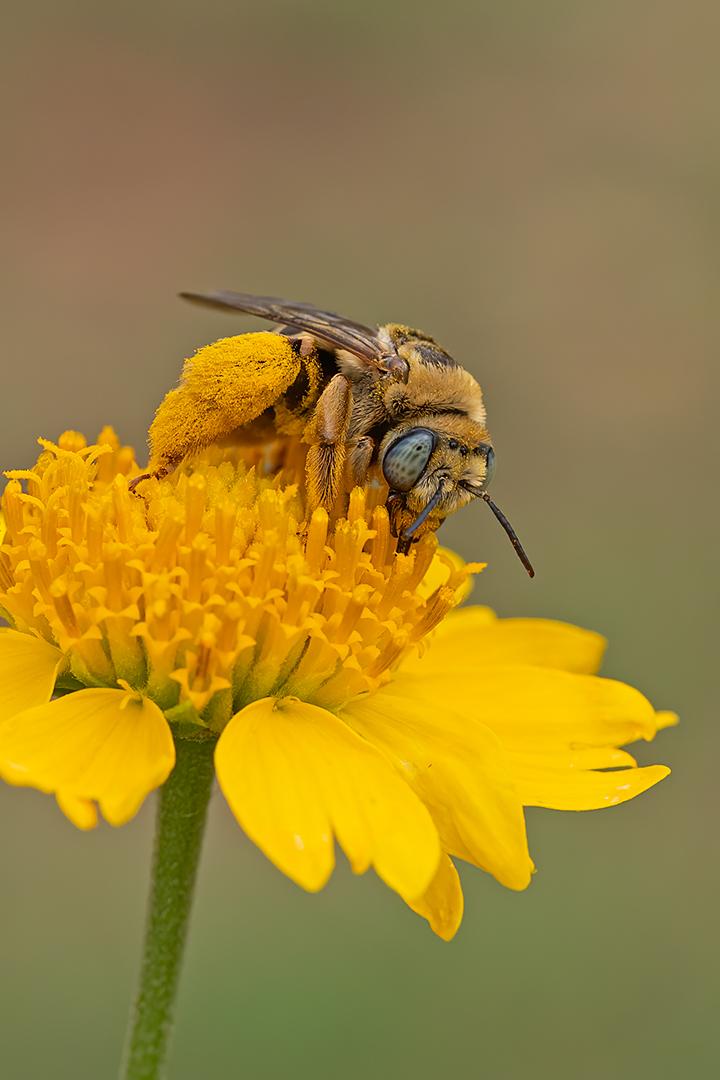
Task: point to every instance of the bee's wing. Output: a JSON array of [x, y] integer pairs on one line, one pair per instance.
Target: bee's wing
[[329, 329]]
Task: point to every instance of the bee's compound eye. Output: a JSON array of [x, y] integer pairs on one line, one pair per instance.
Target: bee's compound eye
[[406, 459], [489, 465]]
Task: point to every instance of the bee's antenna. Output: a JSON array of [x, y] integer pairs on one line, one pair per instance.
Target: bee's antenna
[[428, 509], [512, 535]]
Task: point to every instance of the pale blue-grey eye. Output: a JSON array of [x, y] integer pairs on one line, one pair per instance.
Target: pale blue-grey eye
[[406, 460], [489, 465]]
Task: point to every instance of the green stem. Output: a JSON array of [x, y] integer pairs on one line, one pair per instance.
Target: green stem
[[182, 809]]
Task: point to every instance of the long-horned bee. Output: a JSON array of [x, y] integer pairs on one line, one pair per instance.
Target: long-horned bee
[[390, 403]]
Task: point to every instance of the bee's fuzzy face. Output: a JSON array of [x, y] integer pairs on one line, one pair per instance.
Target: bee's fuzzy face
[[447, 461]]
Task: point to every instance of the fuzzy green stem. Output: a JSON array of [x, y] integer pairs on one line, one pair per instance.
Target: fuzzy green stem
[[181, 814]]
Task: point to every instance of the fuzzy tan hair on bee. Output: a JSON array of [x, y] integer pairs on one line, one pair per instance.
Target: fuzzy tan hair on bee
[[388, 404]]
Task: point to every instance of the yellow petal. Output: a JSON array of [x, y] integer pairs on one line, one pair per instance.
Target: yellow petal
[[81, 812], [28, 669], [666, 719], [558, 730], [442, 903], [459, 770], [444, 565], [93, 745], [295, 776], [473, 637], [539, 707], [562, 783]]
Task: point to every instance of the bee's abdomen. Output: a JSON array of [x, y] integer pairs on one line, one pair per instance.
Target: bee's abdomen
[[316, 370], [297, 404]]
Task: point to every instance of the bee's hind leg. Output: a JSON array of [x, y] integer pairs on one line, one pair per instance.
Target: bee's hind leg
[[157, 475], [138, 480], [327, 432]]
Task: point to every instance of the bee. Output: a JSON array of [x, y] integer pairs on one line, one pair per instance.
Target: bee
[[389, 403]]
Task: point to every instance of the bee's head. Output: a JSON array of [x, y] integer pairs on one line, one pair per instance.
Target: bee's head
[[432, 472]]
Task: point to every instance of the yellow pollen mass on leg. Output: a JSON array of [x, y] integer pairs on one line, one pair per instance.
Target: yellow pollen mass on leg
[[223, 387]]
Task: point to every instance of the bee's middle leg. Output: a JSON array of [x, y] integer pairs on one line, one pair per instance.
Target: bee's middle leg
[[327, 433]]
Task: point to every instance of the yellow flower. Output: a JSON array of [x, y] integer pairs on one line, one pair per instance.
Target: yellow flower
[[345, 705]]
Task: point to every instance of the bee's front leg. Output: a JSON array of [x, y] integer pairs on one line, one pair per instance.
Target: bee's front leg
[[327, 432], [360, 454]]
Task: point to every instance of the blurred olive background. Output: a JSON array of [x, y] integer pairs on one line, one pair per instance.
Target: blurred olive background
[[537, 185]]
